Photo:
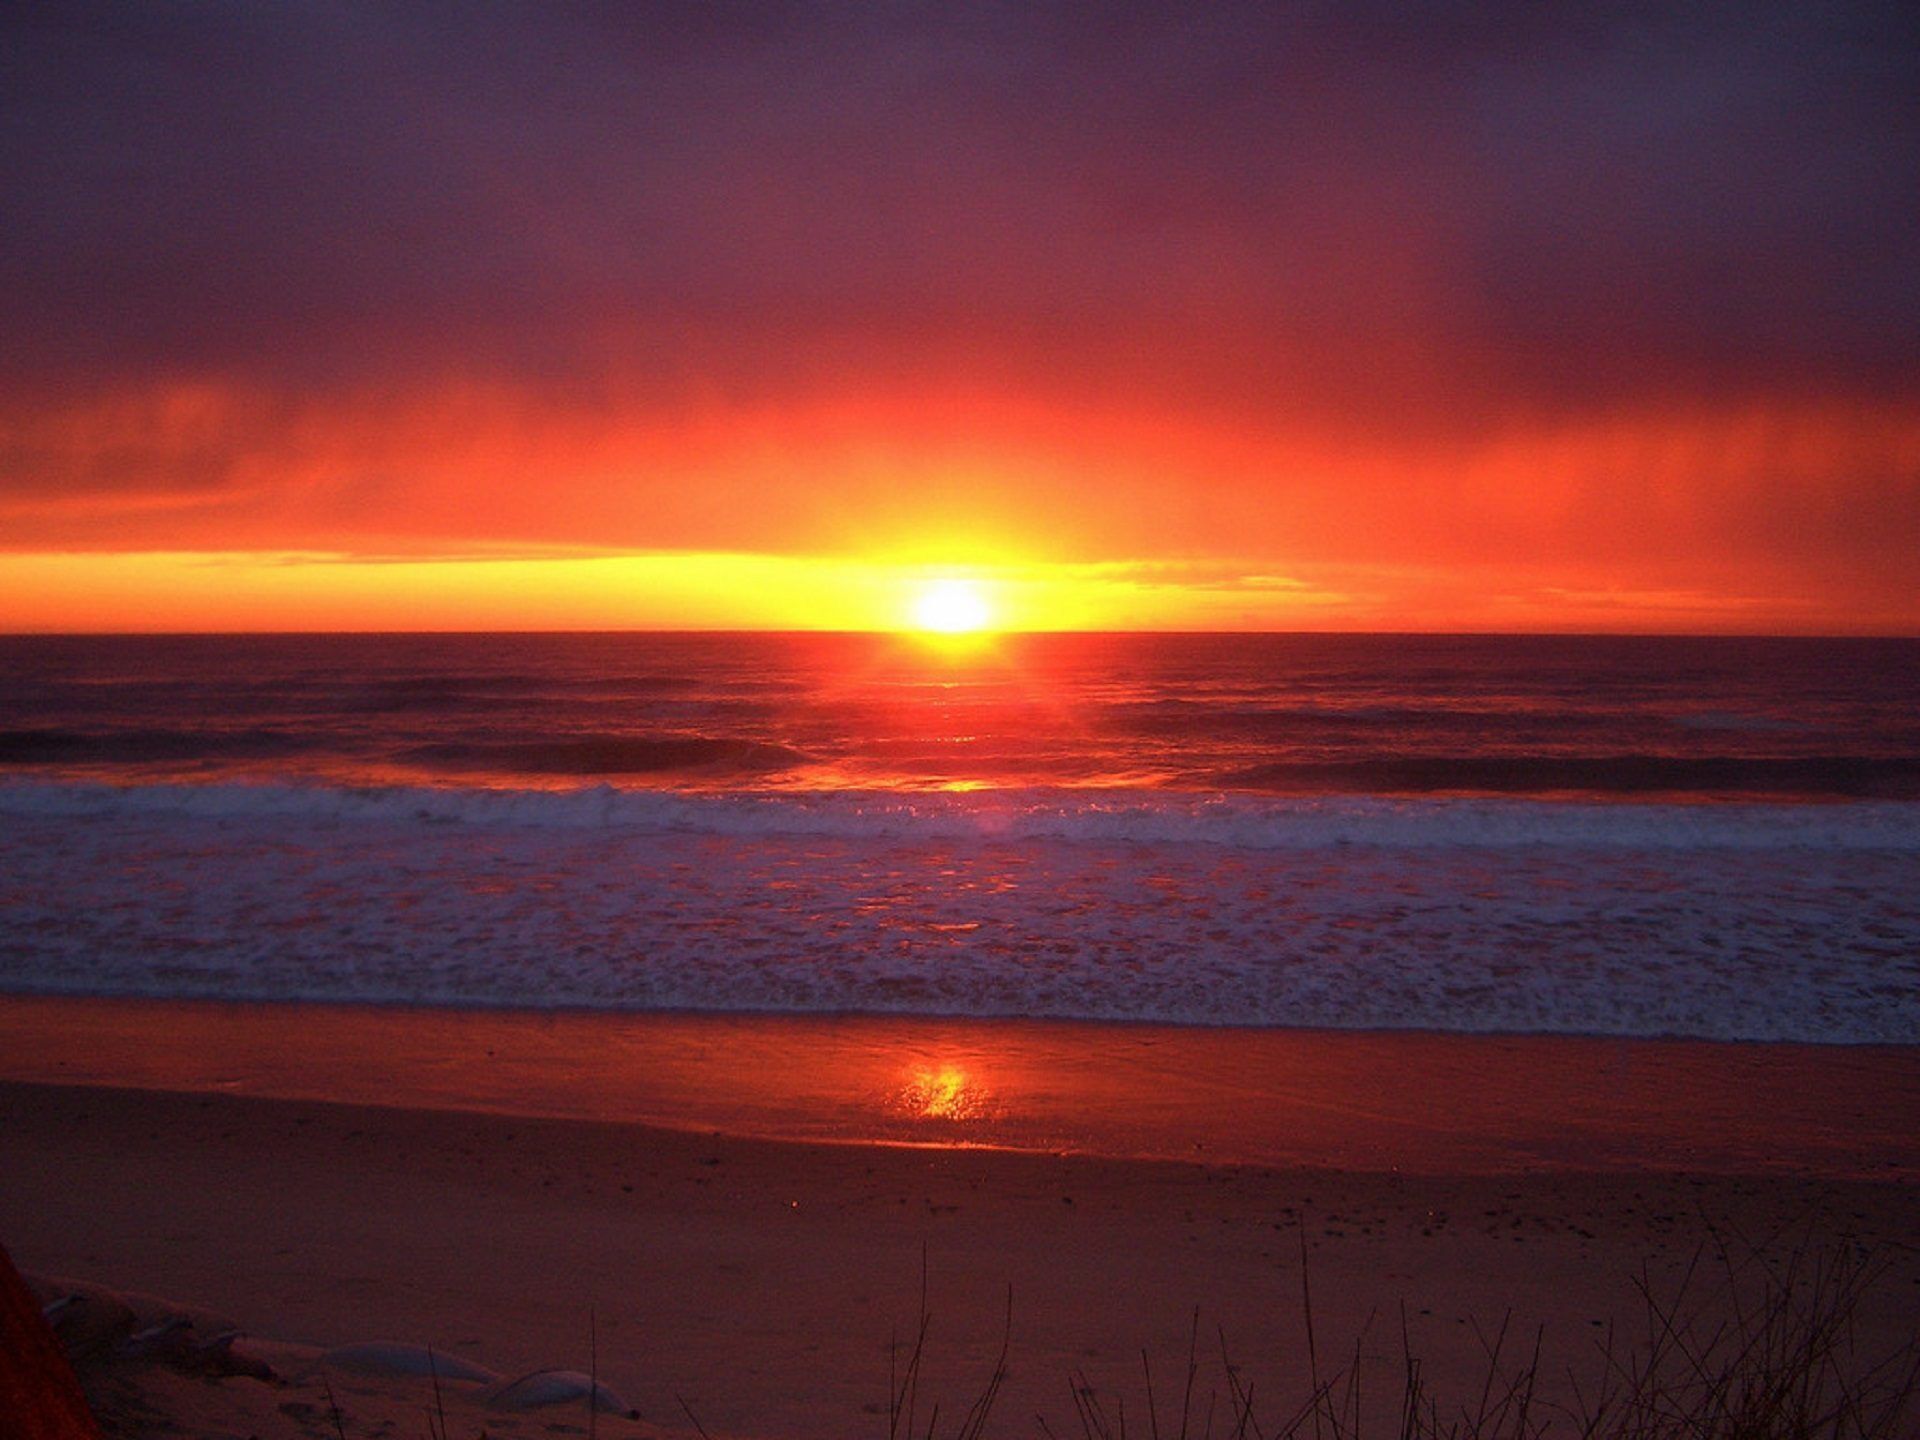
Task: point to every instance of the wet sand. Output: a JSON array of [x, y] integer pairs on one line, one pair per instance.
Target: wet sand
[[1347, 1100]]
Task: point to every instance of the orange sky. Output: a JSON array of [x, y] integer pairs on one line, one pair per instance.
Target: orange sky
[[1517, 320], [503, 512]]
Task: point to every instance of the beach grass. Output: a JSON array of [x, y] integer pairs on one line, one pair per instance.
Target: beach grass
[[1740, 1348]]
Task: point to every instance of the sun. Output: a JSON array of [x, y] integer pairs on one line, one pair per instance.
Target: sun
[[952, 607]]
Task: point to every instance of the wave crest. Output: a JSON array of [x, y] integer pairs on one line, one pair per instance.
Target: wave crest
[[1260, 822], [608, 755]]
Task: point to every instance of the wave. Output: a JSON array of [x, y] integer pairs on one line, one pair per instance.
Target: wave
[[608, 755], [403, 694], [563, 755], [1894, 777], [56, 746], [1249, 821], [1184, 718], [1739, 721]]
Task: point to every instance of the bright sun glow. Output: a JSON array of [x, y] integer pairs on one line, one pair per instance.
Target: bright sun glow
[[951, 607]]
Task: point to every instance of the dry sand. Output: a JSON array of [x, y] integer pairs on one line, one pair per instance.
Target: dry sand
[[761, 1281]]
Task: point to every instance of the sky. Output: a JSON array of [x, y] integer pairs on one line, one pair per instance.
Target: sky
[[1506, 316]]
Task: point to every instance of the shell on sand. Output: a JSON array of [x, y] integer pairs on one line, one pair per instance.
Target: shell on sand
[[382, 1358], [556, 1387]]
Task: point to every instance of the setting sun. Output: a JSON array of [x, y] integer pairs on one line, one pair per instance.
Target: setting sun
[[951, 607]]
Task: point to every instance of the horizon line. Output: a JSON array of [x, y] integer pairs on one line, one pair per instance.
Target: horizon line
[[982, 636]]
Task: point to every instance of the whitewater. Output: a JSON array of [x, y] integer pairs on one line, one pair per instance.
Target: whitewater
[[1731, 922]]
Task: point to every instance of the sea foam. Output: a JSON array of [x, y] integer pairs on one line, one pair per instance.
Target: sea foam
[[1729, 921], [1116, 816]]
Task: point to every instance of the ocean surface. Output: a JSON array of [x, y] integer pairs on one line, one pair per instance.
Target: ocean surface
[[1715, 838]]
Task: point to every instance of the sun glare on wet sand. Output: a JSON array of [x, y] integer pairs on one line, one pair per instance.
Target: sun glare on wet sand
[[942, 1092]]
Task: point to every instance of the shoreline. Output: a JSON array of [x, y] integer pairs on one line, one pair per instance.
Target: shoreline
[[1383, 1101], [582, 1011]]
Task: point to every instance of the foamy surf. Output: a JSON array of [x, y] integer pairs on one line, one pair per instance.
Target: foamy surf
[[1246, 821], [1725, 921]]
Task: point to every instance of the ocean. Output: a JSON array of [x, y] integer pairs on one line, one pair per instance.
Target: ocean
[[1708, 838]]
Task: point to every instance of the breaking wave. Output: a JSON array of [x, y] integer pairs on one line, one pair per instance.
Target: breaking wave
[[1259, 822], [608, 755], [1814, 776]]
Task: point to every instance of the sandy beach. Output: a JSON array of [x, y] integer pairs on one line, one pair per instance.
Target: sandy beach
[[760, 1281]]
